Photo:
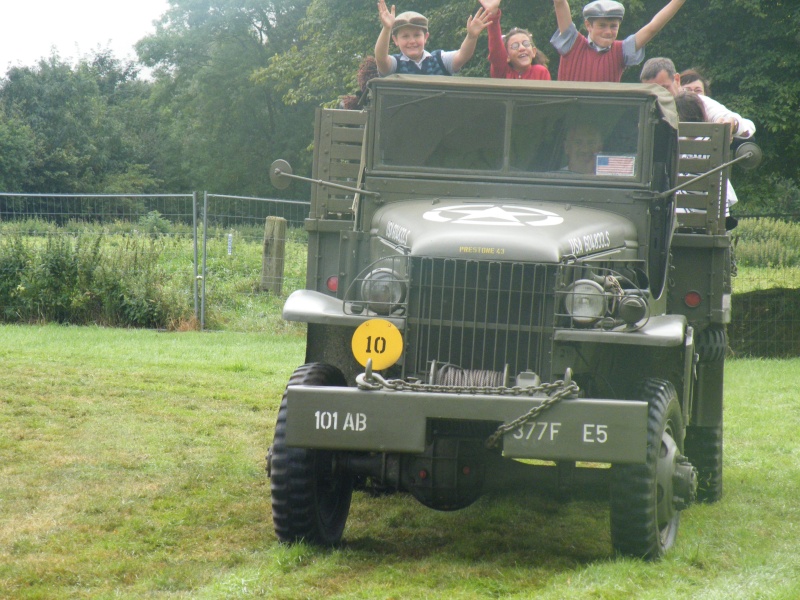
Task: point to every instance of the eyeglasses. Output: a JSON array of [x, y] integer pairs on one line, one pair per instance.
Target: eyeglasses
[[524, 43]]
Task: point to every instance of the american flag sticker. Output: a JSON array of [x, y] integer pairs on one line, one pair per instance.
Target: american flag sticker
[[623, 165]]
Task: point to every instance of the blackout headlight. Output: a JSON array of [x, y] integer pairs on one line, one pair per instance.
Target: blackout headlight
[[585, 301], [383, 290]]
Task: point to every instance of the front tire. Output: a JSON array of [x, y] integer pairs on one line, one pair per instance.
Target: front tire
[[310, 492], [644, 513]]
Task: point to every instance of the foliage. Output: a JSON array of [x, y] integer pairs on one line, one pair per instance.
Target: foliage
[[767, 242], [225, 127], [769, 195], [140, 274], [17, 151], [153, 223], [116, 281], [76, 120]]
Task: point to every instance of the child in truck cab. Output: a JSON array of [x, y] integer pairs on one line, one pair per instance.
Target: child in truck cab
[[409, 32], [600, 56], [514, 55]]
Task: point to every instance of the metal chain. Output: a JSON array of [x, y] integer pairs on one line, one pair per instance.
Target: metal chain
[[377, 382], [567, 390], [555, 392]]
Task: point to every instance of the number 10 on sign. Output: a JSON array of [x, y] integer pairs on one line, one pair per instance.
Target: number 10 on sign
[[379, 340]]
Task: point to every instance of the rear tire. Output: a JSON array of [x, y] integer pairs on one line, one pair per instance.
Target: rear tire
[[704, 443], [310, 492], [704, 449], [644, 518]]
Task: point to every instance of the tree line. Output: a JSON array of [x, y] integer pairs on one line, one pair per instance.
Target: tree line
[[233, 84]]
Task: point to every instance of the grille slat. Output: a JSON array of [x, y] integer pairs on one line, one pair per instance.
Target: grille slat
[[480, 315]]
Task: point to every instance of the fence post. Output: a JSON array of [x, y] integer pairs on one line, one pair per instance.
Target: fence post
[[274, 252]]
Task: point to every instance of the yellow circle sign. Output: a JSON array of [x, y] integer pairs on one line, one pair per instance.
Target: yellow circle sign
[[379, 340]]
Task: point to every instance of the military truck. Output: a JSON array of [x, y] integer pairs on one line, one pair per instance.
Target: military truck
[[510, 283]]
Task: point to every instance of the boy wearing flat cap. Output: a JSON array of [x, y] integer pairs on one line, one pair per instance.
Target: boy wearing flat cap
[[600, 56], [409, 31]]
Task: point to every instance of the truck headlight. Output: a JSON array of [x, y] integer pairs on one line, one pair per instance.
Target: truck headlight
[[585, 301], [383, 290], [632, 309]]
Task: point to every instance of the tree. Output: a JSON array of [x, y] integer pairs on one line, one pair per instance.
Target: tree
[[230, 127], [79, 122], [57, 105], [17, 152]]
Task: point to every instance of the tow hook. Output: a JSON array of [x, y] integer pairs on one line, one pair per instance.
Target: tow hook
[[684, 483]]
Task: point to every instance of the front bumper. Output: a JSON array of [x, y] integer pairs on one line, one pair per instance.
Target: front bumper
[[591, 430]]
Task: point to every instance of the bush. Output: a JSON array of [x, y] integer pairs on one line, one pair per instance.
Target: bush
[[770, 195], [107, 280], [14, 258], [767, 242], [153, 224]]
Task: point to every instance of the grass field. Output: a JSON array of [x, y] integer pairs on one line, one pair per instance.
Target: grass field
[[132, 466]]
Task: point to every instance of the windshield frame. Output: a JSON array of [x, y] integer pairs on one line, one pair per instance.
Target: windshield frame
[[494, 107]]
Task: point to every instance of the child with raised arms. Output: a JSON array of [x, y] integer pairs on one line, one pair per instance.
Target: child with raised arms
[[600, 56], [514, 55], [409, 32]]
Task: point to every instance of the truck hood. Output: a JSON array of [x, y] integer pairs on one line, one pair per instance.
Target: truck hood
[[502, 229]]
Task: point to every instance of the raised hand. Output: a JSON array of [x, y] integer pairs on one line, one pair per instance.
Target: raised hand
[[386, 15], [491, 6], [479, 22]]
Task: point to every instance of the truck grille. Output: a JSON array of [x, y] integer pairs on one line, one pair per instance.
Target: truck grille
[[480, 315]]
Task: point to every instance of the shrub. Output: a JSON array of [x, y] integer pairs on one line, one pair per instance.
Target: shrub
[[14, 258], [154, 224], [767, 242], [107, 280]]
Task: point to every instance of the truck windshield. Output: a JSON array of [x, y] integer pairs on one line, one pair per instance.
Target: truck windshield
[[559, 137]]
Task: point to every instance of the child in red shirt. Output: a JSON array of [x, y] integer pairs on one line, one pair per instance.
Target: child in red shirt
[[513, 56]]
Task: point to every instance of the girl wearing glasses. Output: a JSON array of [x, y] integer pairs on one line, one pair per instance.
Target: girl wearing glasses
[[514, 55]]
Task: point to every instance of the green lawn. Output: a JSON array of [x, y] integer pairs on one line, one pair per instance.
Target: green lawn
[[132, 465]]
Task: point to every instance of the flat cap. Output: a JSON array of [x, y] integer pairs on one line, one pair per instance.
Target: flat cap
[[410, 18], [607, 9]]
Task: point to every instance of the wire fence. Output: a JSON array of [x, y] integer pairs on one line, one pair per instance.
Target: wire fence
[[216, 255], [765, 313], [210, 244], [232, 243]]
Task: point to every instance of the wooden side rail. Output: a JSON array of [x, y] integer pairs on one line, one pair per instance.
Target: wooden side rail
[[337, 158], [702, 204]]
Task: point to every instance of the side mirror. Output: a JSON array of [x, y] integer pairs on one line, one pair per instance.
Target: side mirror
[[278, 172], [749, 155]]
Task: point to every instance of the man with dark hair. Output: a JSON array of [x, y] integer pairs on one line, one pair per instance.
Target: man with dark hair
[[661, 71]]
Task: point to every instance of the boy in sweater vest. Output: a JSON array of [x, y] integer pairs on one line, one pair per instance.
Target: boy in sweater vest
[[409, 31], [600, 56]]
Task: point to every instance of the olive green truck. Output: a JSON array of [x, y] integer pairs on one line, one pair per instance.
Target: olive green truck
[[510, 283]]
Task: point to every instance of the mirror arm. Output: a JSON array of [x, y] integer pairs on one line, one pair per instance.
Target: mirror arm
[[278, 172], [704, 175]]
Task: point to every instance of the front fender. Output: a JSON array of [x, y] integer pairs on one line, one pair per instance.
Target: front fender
[[309, 306], [664, 331]]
